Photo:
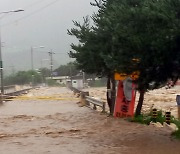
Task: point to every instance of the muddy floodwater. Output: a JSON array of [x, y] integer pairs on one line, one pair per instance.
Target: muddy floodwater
[[49, 121]]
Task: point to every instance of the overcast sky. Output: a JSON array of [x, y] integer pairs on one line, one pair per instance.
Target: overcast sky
[[43, 23]]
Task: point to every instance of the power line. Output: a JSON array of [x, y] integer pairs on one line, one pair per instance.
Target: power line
[[33, 4], [31, 14], [54, 52], [26, 7]]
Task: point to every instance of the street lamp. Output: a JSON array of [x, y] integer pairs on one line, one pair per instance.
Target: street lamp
[[19, 10], [1, 62], [43, 71], [32, 62], [32, 59]]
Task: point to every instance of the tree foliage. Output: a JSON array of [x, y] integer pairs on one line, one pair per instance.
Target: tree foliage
[[128, 36], [87, 51], [144, 36], [23, 77], [67, 70]]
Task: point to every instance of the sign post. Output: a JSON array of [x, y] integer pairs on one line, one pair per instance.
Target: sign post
[[178, 105], [125, 99]]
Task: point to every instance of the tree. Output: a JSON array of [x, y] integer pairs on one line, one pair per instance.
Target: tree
[[87, 54], [67, 70], [146, 39], [23, 77], [132, 35]]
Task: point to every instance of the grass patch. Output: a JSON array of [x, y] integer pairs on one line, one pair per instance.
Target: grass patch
[[176, 134], [147, 118], [142, 119], [160, 117]]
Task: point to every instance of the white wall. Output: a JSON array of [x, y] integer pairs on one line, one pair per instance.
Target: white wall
[[77, 83]]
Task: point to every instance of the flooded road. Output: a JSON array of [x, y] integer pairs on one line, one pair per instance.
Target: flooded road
[[49, 121]]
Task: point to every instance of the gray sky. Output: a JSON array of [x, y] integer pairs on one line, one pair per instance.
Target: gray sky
[[43, 23]]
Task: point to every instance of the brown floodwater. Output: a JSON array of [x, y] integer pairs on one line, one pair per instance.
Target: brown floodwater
[[49, 121]]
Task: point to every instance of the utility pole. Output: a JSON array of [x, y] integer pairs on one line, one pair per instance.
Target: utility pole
[[1, 68], [1, 62], [32, 67], [51, 62], [32, 63]]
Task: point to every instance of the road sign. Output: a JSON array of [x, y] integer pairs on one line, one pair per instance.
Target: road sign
[[123, 76], [125, 100], [178, 100]]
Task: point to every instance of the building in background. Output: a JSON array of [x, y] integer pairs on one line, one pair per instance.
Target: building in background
[[77, 82]]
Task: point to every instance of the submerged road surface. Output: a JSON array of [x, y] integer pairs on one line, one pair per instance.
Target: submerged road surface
[[49, 121]]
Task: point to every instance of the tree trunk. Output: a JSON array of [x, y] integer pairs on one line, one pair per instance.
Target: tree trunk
[[113, 94], [140, 103], [108, 95]]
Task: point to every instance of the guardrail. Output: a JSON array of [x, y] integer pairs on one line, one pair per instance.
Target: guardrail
[[16, 93], [86, 99], [9, 96], [75, 90], [95, 102], [8, 87]]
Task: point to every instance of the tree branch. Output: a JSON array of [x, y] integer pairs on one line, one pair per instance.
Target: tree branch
[[98, 3]]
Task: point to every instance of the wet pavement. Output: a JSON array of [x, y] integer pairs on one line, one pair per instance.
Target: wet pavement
[[49, 121]]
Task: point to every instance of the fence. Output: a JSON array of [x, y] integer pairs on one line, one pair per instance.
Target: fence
[[86, 99], [11, 92], [96, 102]]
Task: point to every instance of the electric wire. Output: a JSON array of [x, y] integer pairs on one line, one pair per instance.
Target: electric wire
[[31, 14], [4, 14], [33, 4]]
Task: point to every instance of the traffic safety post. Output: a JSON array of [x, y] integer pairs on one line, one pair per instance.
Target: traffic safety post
[[168, 117], [154, 115]]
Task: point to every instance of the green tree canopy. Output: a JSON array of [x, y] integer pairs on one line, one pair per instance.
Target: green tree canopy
[[132, 35], [143, 35], [67, 70], [23, 77]]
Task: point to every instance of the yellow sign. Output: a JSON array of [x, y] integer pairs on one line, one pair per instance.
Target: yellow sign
[[120, 76], [123, 76]]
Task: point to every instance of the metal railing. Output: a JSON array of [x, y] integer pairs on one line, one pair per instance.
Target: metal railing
[[88, 99], [19, 92], [8, 89], [96, 102], [75, 90], [9, 95]]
